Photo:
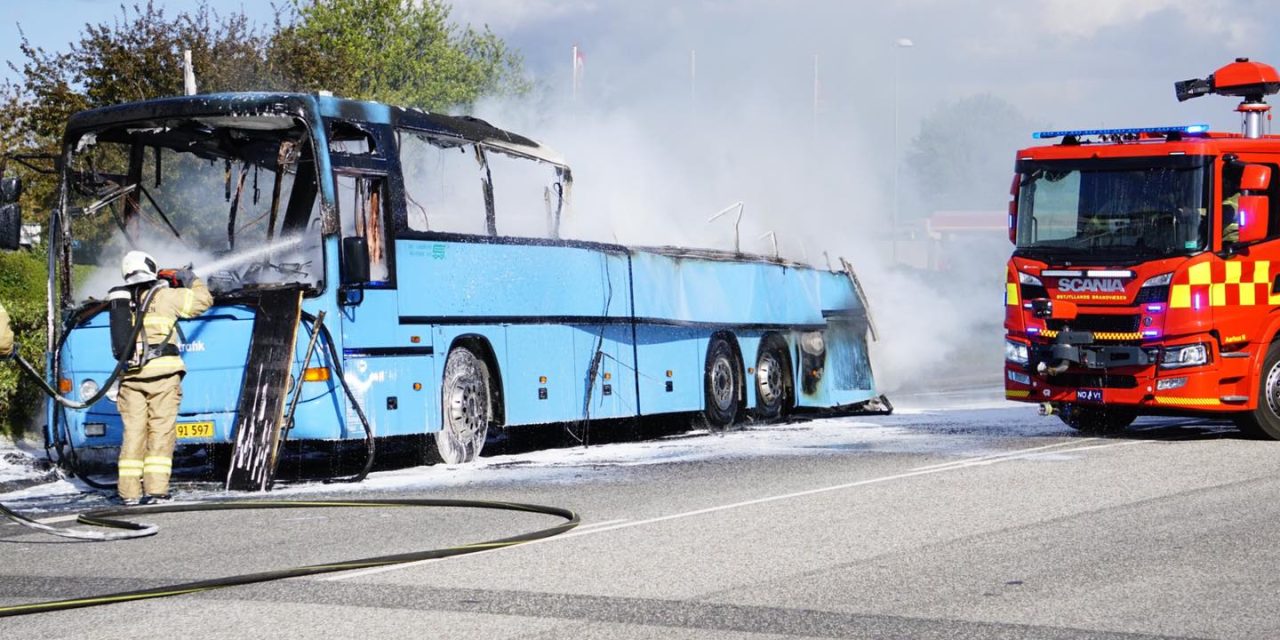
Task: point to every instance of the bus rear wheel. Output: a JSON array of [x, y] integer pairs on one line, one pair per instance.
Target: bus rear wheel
[[772, 381], [1264, 421], [721, 386], [466, 399], [1097, 420]]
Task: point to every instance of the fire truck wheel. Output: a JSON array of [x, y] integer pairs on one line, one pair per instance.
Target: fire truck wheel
[[466, 399], [773, 380], [721, 385], [1264, 421], [1097, 420]]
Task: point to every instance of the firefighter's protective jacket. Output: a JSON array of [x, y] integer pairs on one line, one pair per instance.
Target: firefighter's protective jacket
[[160, 334], [6, 334]]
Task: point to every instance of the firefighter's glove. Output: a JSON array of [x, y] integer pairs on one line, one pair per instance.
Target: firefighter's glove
[[185, 277]]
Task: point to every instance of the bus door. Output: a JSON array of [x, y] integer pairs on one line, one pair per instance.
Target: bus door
[[388, 366]]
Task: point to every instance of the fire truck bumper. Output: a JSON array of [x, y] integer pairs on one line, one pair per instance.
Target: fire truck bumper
[[1136, 379]]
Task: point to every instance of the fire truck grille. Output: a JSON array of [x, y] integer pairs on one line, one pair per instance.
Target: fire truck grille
[[1100, 323], [1094, 381]]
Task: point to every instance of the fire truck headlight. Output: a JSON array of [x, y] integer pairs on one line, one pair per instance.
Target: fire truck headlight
[[88, 388], [1161, 280], [1016, 352], [1026, 278], [1190, 355]]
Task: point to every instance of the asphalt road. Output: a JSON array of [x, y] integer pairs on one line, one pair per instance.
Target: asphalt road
[[965, 523]]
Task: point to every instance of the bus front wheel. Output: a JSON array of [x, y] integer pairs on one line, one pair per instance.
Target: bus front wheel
[[721, 386], [466, 399]]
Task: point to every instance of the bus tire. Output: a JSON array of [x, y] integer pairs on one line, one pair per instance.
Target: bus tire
[[467, 403], [721, 385], [1097, 420], [1264, 421], [773, 381]]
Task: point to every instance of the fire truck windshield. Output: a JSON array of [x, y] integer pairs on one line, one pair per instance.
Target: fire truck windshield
[[1118, 209]]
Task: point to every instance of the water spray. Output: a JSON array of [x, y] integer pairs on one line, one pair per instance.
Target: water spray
[[205, 270]]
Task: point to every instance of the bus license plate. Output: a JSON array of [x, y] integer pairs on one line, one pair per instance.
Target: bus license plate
[[194, 430], [1089, 395]]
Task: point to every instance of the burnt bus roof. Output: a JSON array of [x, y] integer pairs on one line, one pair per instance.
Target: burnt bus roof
[[310, 107]]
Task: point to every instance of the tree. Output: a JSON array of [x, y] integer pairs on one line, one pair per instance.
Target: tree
[[394, 51], [963, 156], [397, 51]]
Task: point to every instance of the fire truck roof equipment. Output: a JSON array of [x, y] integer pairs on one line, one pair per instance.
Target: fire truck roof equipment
[[1132, 131], [1249, 80]]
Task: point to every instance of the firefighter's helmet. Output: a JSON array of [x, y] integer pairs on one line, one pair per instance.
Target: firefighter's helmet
[[138, 267]]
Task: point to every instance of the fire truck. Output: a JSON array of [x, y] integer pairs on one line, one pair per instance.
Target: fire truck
[[1145, 278]]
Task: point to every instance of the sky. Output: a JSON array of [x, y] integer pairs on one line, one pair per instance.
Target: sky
[[803, 109]]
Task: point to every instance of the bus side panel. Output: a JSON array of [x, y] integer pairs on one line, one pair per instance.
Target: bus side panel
[[541, 382], [384, 388], [613, 387], [670, 364], [460, 280], [721, 292]]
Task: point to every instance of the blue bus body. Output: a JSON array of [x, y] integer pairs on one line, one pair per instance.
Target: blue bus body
[[569, 330]]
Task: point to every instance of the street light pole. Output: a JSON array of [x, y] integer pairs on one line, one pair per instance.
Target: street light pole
[[898, 45]]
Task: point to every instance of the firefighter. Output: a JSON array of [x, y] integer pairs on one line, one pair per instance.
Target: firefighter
[[6, 334], [151, 389]]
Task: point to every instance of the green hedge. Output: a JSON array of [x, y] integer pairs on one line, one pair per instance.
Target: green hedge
[[22, 290]]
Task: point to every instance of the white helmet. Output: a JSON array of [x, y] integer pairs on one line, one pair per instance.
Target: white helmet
[[138, 267]]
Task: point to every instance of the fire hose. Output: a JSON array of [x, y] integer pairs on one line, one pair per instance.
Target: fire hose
[[107, 518], [127, 529]]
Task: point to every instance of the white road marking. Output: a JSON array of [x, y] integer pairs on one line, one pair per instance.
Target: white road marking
[[1003, 454], [972, 462]]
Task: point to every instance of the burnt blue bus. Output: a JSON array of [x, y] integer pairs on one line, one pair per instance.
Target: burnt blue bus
[[380, 271]]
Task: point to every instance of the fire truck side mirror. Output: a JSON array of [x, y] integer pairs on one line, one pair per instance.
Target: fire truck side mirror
[[1251, 218], [1255, 177], [1013, 209]]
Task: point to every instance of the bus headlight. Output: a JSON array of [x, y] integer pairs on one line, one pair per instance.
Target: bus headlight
[[812, 343], [113, 391], [1189, 355], [1016, 352], [88, 389]]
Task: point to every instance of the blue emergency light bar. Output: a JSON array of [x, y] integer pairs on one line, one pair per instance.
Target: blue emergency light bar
[[1186, 128]]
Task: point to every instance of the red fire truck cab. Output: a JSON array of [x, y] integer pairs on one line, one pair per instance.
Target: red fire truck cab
[[1145, 277]]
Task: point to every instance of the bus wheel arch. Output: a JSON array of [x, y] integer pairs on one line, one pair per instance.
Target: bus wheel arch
[[480, 346], [723, 388], [469, 402], [775, 389]]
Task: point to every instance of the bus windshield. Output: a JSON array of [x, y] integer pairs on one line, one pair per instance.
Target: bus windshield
[[233, 197], [1120, 209]]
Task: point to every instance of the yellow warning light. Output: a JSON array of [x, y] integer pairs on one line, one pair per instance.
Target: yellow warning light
[[415, 339], [608, 376], [417, 386], [64, 386], [751, 371], [542, 379], [315, 374], [668, 373]]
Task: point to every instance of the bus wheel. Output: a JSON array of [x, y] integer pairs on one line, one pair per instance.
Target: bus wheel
[[721, 384], [1264, 421], [1097, 420], [465, 397], [771, 381]]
